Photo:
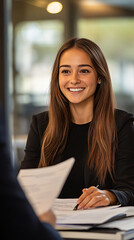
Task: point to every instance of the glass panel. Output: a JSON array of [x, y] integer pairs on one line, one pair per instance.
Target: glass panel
[[116, 39], [36, 45]]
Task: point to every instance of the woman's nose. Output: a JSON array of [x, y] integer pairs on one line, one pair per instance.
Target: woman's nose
[[74, 78]]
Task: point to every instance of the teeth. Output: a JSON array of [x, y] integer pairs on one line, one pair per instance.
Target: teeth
[[75, 89]]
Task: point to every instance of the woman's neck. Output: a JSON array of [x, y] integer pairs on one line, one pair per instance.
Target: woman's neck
[[80, 114]]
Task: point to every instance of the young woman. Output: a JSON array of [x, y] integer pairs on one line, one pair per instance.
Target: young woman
[[82, 122]]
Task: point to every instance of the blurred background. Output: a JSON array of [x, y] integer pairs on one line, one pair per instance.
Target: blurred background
[[32, 32]]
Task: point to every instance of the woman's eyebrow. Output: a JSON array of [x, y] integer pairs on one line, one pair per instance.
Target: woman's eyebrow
[[65, 66], [81, 65], [85, 65]]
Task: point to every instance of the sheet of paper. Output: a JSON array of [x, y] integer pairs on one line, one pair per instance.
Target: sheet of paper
[[124, 224], [63, 209], [43, 185], [73, 227]]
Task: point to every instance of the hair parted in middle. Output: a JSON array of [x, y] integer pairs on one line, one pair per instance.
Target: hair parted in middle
[[102, 130]]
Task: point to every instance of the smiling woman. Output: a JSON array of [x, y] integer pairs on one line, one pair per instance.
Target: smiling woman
[[82, 122]]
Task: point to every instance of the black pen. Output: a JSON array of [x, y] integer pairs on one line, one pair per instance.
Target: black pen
[[76, 206]]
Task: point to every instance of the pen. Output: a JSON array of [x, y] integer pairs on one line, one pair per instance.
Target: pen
[[76, 206]]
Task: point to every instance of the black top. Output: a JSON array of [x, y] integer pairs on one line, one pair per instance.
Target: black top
[[81, 175]]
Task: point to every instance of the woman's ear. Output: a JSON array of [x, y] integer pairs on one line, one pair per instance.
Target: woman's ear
[[99, 81]]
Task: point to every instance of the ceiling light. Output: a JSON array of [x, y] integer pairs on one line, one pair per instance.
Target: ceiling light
[[54, 7]]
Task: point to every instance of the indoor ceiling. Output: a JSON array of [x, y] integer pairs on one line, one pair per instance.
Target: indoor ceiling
[[72, 9], [119, 3]]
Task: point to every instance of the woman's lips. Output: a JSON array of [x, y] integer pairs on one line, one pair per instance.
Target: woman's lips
[[76, 89]]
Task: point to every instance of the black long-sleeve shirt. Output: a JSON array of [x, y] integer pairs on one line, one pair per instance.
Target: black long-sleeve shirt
[[81, 175]]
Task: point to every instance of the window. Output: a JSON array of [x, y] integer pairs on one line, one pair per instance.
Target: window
[[36, 45], [116, 39]]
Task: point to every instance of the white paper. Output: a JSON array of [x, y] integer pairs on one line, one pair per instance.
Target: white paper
[[63, 209], [43, 185], [124, 224]]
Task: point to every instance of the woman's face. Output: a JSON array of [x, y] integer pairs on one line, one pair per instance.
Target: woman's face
[[77, 76]]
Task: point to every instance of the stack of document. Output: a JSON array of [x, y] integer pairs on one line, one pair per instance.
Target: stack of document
[[113, 222], [63, 209], [42, 186]]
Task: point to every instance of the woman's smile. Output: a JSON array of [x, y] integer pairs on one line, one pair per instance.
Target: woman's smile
[[76, 90]]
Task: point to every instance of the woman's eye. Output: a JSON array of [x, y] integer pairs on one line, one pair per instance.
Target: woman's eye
[[65, 71], [84, 71]]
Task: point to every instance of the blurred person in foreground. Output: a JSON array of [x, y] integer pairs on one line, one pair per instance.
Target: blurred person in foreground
[[18, 220], [83, 122]]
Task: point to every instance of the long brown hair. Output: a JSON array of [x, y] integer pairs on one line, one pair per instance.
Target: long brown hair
[[102, 130]]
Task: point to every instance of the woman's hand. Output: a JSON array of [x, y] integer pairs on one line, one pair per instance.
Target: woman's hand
[[94, 197], [48, 217]]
